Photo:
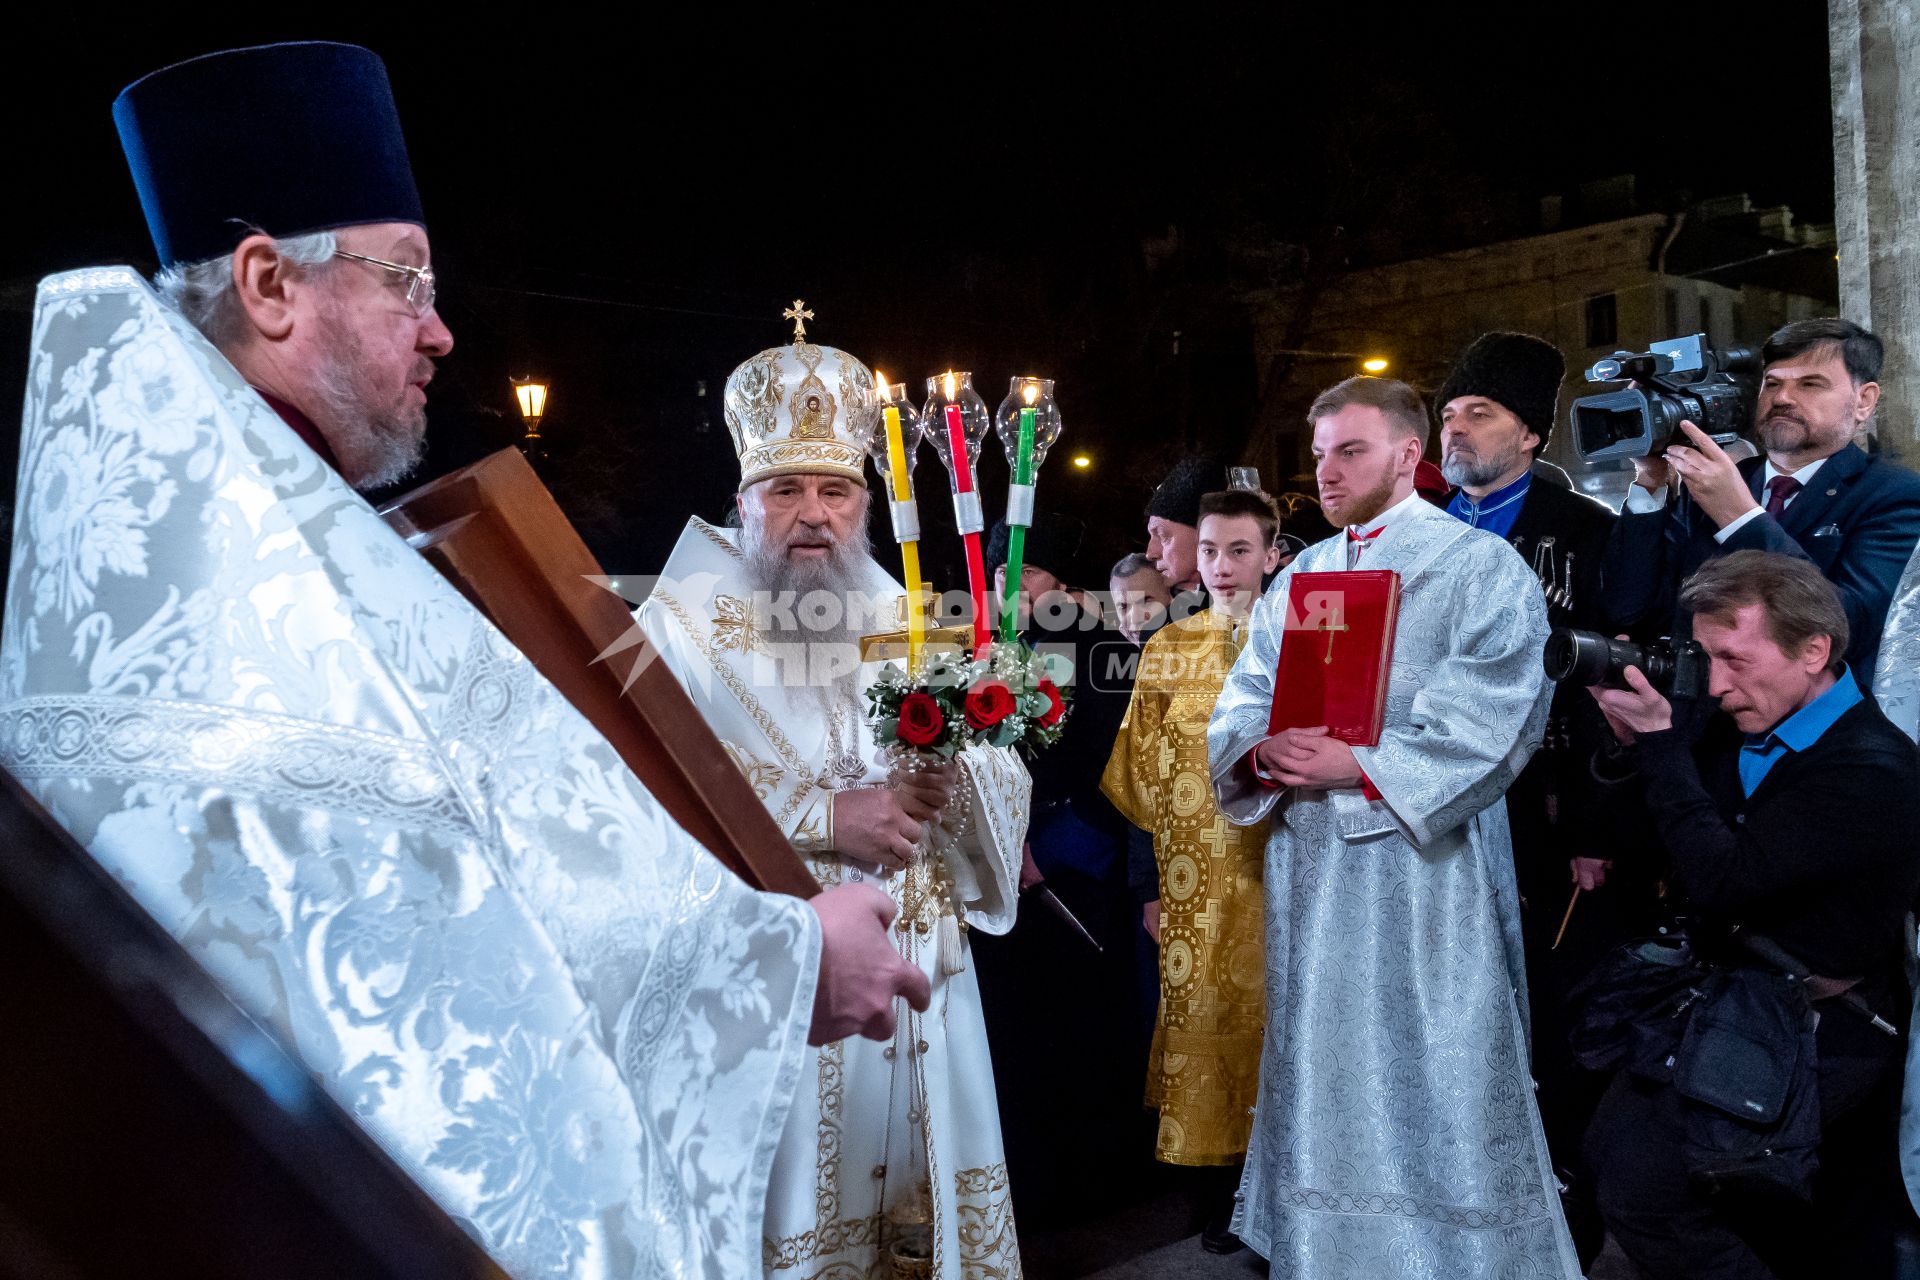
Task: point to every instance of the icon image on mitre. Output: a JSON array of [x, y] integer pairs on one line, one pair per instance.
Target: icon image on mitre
[[801, 409]]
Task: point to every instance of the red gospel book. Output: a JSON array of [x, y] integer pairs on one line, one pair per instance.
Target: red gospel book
[[1336, 654]]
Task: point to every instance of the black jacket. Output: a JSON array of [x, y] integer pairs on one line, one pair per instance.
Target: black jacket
[[1579, 529], [1069, 771], [1563, 536], [1822, 858], [1858, 522]]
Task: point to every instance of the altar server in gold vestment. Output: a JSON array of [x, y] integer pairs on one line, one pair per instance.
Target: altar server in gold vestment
[[1203, 1072]]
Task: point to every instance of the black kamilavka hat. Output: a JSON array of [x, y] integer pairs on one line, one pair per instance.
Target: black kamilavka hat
[[1178, 496], [281, 138]]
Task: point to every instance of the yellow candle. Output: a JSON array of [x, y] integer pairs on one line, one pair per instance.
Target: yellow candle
[[909, 550]]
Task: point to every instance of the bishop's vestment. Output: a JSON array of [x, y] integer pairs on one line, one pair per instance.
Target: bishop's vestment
[[1396, 1132], [923, 1105], [1204, 1066]]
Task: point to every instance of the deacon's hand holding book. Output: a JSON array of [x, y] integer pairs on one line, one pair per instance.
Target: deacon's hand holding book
[[1330, 692], [1307, 758]]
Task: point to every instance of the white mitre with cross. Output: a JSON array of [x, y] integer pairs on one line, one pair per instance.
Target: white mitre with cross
[[801, 409]]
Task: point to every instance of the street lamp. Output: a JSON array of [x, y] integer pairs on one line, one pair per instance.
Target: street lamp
[[532, 395]]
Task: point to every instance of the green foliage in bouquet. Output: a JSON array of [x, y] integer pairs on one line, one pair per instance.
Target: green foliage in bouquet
[[1011, 698]]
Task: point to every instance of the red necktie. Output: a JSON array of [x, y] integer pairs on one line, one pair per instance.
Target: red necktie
[[1779, 489]]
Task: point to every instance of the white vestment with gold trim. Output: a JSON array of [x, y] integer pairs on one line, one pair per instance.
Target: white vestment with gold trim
[[859, 1143]]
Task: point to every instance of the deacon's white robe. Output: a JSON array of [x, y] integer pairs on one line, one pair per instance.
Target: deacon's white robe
[[1896, 687], [858, 1107], [363, 811], [1396, 1132]]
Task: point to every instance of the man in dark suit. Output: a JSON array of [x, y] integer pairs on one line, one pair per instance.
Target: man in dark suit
[[1815, 495], [1497, 410], [1793, 820]]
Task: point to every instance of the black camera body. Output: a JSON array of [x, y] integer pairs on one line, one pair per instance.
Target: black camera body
[[1587, 657], [1681, 379]]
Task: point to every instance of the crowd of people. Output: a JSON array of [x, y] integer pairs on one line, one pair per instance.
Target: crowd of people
[[1593, 836], [1533, 963]]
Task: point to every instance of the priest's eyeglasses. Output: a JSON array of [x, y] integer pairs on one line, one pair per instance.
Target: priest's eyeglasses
[[419, 279]]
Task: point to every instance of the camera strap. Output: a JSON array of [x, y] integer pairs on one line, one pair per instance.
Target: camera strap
[[1818, 988]]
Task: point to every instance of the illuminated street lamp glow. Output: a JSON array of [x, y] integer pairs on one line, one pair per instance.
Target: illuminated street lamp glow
[[532, 395]]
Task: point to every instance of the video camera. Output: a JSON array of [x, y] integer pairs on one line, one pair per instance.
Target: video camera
[[1587, 657], [1681, 379]]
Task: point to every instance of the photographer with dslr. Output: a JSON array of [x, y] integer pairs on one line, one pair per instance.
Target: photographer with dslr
[[1790, 831], [1816, 495]]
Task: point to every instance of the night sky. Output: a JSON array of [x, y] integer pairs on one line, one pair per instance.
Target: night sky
[[624, 207]]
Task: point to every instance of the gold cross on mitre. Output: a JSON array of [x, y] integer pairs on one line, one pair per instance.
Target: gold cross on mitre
[[799, 314], [1331, 625]]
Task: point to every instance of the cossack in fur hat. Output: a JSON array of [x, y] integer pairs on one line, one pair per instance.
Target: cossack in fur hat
[[1516, 370]]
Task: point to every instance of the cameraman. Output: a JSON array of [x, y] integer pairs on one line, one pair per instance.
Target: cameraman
[[1793, 819], [1816, 495]]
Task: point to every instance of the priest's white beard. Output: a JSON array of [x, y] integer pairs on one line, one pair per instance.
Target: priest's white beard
[[810, 614]]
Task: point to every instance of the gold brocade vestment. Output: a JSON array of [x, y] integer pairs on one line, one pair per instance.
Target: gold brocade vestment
[[1204, 1068]]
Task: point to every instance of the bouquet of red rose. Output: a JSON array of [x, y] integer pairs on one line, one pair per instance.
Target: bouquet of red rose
[[1007, 699]]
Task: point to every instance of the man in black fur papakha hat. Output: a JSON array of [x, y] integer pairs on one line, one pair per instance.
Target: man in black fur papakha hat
[[1497, 410]]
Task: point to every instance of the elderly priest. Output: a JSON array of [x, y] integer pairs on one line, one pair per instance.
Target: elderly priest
[[323, 770]]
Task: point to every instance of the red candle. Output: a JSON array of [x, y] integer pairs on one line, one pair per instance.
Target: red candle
[[957, 442], [970, 537]]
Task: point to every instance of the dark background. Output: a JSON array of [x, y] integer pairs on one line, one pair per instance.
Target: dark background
[[623, 205]]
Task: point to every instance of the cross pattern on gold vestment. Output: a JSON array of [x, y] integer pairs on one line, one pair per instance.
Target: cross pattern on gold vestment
[[1211, 919]]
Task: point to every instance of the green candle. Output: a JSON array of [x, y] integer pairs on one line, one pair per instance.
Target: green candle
[[1017, 520]]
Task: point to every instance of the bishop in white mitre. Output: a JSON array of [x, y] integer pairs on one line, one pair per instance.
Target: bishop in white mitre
[[1396, 1132], [889, 1150]]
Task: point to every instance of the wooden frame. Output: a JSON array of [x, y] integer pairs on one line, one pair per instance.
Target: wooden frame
[[496, 533]]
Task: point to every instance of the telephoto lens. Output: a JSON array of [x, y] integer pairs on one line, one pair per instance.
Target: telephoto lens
[[1587, 657]]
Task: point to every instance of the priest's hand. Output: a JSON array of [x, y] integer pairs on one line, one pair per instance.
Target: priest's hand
[[873, 825], [860, 971], [1633, 711], [1712, 477], [1308, 758]]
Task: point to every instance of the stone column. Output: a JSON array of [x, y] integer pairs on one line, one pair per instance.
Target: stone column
[[1874, 54]]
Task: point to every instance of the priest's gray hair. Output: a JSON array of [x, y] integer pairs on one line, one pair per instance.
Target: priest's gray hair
[[203, 291]]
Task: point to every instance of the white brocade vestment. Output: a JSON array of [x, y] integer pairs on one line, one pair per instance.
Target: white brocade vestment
[[385, 834], [857, 1098], [1896, 687], [1396, 1132]]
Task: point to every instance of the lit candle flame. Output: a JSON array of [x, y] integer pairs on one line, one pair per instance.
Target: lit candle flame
[[949, 384], [880, 384], [1031, 391]]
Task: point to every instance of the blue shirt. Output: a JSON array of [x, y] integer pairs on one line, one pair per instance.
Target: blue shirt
[[1497, 511], [1797, 732]]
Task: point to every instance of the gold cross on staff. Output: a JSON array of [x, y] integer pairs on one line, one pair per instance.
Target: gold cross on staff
[[1330, 627], [799, 314]]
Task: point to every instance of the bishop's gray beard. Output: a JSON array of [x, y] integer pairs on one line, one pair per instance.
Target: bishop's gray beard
[[809, 615]]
